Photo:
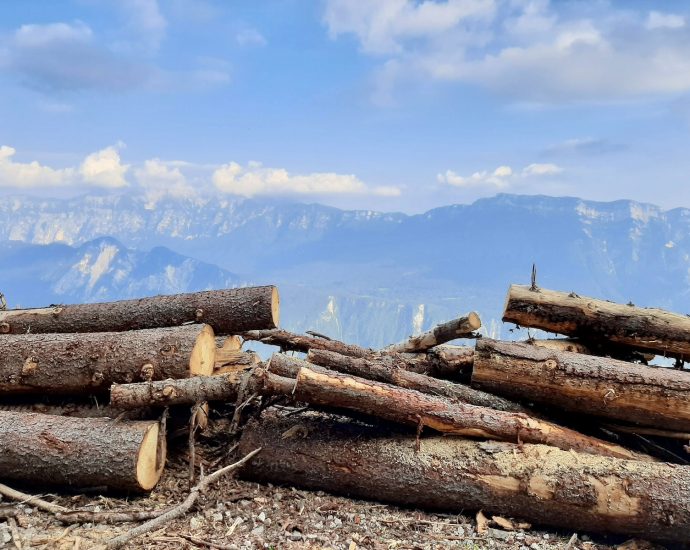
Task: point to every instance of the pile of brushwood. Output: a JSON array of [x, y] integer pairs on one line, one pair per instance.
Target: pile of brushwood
[[579, 432]]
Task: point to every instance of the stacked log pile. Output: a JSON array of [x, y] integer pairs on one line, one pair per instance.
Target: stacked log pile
[[576, 431]]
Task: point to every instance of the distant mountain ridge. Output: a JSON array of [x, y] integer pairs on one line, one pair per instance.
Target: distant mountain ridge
[[369, 277]]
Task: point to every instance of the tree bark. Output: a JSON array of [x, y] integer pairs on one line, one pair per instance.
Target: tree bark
[[597, 320], [82, 364], [416, 409], [383, 372], [233, 361], [81, 410], [176, 392], [657, 397], [289, 341], [79, 452], [541, 484], [440, 334], [227, 311]]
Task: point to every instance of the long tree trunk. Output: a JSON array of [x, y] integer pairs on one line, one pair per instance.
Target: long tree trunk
[[227, 311], [597, 320], [289, 341], [81, 452], [412, 408], [657, 397], [382, 372], [80, 364], [440, 334], [163, 393], [541, 484], [81, 410]]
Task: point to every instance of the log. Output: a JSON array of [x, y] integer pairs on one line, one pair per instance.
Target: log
[[561, 344], [384, 372], [82, 364], [541, 484], [440, 362], [592, 348], [599, 321], [288, 341], [440, 334], [233, 361], [412, 408], [80, 452], [656, 397], [175, 392], [227, 311], [81, 410]]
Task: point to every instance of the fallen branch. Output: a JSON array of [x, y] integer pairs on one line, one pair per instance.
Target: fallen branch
[[462, 327], [182, 508]]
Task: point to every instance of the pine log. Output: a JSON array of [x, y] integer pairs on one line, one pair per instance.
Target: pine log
[[233, 361], [227, 311], [561, 344], [453, 362], [383, 372], [81, 410], [540, 484], [288, 341], [79, 452], [412, 408], [592, 348], [599, 321], [176, 392], [440, 334], [82, 364], [656, 397]]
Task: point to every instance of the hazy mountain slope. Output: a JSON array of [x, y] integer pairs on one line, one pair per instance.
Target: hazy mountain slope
[[368, 277]]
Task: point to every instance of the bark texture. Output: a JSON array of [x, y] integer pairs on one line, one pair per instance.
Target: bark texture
[[81, 364], [233, 361], [288, 341], [78, 452], [440, 334], [383, 372], [541, 484], [657, 397], [176, 392], [416, 409], [227, 311], [81, 410], [600, 321]]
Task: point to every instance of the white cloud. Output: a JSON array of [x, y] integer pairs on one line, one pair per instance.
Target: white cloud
[[30, 174], [658, 20], [501, 178], [258, 180], [528, 50], [104, 169], [146, 26], [541, 170], [250, 37], [160, 178]]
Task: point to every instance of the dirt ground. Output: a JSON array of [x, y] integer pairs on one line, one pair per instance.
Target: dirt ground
[[243, 515]]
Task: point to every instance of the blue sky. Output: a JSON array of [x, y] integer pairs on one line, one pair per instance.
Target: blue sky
[[383, 104]]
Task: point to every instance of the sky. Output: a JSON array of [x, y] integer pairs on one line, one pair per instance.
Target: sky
[[383, 104]]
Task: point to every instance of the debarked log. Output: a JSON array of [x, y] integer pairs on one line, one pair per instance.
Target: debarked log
[[227, 311], [541, 484], [599, 321], [461, 327], [81, 364], [656, 397], [81, 452], [415, 409], [381, 371]]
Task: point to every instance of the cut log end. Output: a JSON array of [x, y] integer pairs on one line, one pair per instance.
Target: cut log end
[[203, 356], [473, 320], [151, 458], [275, 307]]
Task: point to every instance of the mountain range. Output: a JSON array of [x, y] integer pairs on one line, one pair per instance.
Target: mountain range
[[367, 277]]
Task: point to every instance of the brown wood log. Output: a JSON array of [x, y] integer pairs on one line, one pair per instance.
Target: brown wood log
[[657, 397], [81, 410], [440, 334], [227, 311], [233, 361], [448, 362], [289, 341], [164, 393], [541, 484], [599, 321], [79, 452], [81, 364], [412, 408], [592, 348], [384, 372], [561, 344]]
